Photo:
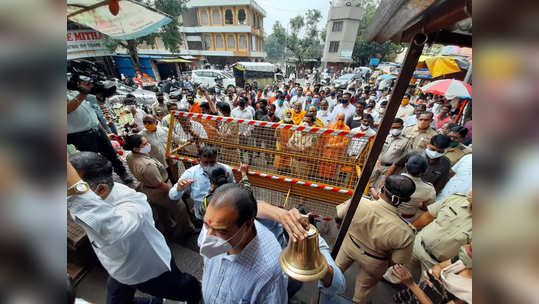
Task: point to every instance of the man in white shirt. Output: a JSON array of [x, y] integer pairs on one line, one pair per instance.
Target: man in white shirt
[[120, 226], [358, 144], [280, 105], [242, 111], [344, 107], [83, 130], [332, 100], [324, 114], [298, 97]]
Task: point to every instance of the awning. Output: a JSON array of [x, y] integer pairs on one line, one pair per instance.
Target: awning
[[255, 66], [174, 60], [133, 20], [442, 65]]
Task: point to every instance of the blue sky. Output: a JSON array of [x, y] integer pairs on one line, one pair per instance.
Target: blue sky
[[284, 10]]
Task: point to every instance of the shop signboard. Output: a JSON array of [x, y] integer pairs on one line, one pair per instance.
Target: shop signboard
[[85, 43]]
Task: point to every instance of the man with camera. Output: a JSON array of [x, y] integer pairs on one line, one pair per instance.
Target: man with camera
[[83, 128]]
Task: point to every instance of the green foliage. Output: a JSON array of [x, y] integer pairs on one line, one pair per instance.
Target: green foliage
[[363, 51], [303, 41], [275, 43]]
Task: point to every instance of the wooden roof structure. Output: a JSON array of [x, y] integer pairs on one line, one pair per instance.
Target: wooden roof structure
[[444, 21]]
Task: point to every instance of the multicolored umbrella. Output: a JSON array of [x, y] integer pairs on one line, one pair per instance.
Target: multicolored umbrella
[[450, 88]]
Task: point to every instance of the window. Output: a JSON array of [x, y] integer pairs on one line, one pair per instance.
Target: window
[[337, 26], [242, 17], [243, 42], [231, 42], [253, 43], [208, 43], [333, 46], [229, 16], [219, 41], [216, 16], [204, 18]]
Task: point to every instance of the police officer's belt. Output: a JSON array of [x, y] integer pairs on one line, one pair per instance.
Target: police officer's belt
[[365, 252], [428, 252]]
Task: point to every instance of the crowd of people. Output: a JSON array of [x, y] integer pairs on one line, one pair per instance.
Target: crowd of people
[[421, 182]]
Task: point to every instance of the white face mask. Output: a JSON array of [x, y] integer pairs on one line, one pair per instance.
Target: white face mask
[[213, 246], [396, 132], [433, 154], [146, 149]]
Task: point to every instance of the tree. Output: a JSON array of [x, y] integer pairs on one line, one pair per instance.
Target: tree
[[363, 51], [275, 42], [169, 34], [304, 41]]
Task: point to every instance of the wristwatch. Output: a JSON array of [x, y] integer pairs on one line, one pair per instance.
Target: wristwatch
[[79, 188]]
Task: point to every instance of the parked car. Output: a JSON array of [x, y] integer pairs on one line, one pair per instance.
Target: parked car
[[208, 78], [143, 97], [345, 80]]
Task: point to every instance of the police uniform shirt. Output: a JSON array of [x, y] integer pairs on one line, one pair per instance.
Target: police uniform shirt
[[456, 153], [378, 230], [418, 138], [394, 148], [148, 171], [451, 228], [437, 171], [424, 193]]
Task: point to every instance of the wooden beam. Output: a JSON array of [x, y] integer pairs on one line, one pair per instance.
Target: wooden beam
[[443, 16], [385, 11], [412, 57], [403, 18]]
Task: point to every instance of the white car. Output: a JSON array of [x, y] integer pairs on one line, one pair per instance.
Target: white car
[[208, 78]]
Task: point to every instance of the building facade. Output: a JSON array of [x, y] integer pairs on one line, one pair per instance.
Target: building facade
[[341, 32], [224, 32]]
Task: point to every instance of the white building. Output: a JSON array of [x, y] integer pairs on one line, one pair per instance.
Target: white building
[[341, 32]]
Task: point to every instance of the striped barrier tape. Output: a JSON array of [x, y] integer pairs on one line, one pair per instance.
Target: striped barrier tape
[[268, 124], [274, 177]]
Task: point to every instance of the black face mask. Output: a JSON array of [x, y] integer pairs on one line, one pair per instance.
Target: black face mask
[[160, 100], [190, 101], [241, 104]]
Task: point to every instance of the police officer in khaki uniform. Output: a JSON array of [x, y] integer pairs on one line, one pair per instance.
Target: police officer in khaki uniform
[[152, 176], [424, 194], [447, 226], [438, 171], [421, 133], [377, 236], [456, 149], [159, 109], [394, 148]]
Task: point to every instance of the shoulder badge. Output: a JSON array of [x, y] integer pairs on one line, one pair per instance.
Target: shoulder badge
[[408, 223]]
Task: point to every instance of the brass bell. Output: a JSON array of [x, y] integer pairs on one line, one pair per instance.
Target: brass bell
[[302, 260]]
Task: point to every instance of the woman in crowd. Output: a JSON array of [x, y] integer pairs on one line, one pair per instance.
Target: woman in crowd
[[172, 216]]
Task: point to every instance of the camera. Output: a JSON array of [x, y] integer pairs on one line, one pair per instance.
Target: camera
[[97, 88]]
